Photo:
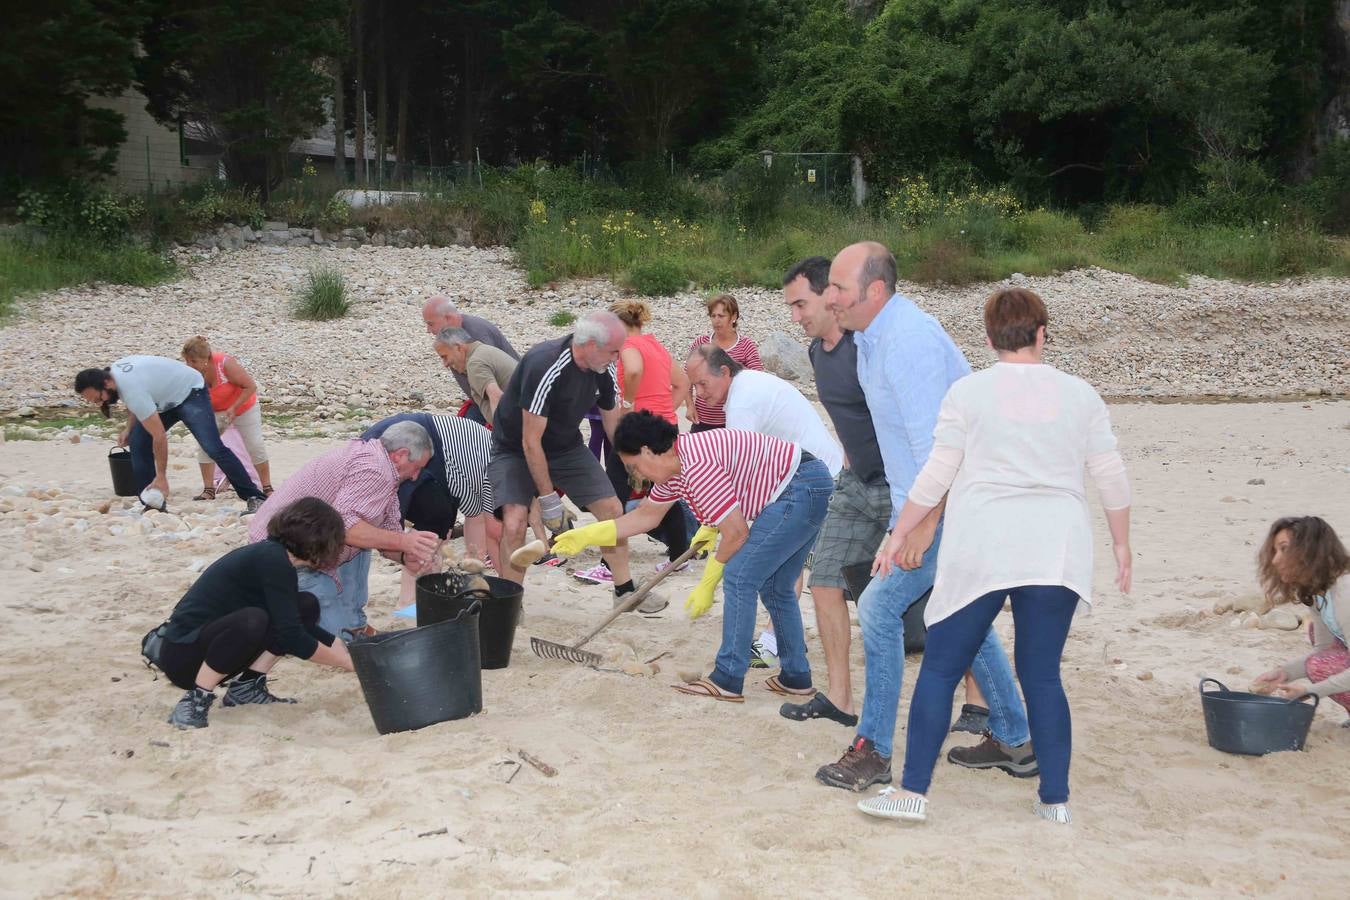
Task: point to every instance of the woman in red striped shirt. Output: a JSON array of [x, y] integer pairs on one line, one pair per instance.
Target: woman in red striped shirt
[[724, 314], [730, 479]]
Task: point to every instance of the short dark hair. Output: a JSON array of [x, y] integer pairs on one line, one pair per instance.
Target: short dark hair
[[91, 378], [816, 271], [311, 530], [644, 429], [717, 359], [1011, 317], [879, 266]]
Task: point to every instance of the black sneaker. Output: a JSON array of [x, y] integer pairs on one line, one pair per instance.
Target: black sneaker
[[859, 768], [991, 753], [190, 712], [973, 720], [253, 505], [241, 693]]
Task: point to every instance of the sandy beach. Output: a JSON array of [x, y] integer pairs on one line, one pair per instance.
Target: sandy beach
[[655, 793]]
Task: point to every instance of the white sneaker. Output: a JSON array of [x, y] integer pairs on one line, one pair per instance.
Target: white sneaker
[[891, 803], [1054, 812], [662, 566], [761, 658]]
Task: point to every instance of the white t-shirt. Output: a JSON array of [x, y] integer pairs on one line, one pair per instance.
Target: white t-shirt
[[769, 405], [1017, 513], [154, 384]]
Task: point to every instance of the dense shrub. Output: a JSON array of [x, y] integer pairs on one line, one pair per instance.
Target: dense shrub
[[323, 297]]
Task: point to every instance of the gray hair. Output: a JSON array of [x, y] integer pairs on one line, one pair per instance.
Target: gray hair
[[407, 436], [442, 305], [451, 336], [600, 327], [717, 359]]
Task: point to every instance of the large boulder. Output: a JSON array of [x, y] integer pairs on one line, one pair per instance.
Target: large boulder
[[786, 358]]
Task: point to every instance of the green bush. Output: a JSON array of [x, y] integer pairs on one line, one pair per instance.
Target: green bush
[[561, 319], [324, 296], [80, 212], [218, 205], [656, 277]]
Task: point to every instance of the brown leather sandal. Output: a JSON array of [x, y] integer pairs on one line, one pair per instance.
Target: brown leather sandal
[[206, 494]]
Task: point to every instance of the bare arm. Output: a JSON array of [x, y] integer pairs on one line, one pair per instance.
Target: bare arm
[[1118, 520], [646, 516], [679, 390], [609, 418], [411, 548], [492, 395], [238, 375], [336, 655], [531, 439], [632, 372], [734, 531]]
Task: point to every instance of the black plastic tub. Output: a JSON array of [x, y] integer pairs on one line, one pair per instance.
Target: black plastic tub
[[1254, 724], [420, 676], [442, 595], [123, 478], [859, 575]]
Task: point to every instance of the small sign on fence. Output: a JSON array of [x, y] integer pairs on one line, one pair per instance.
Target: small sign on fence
[[810, 176]]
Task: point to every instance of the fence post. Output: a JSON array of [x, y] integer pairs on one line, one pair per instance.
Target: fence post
[[859, 184]]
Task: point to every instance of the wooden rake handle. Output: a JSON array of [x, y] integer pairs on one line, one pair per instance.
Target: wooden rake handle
[[633, 599]]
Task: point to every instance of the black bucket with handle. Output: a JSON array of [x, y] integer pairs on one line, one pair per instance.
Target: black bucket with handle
[[441, 595], [123, 477], [859, 575], [1254, 724], [420, 676]]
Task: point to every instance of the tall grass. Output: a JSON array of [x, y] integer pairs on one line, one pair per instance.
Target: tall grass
[[323, 297], [28, 266]]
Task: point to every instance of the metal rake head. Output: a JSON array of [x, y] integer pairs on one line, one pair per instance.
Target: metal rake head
[[550, 650]]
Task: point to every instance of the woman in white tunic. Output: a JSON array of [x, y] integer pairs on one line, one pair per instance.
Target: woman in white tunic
[[1011, 443]]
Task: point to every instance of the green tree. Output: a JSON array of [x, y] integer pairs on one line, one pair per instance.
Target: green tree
[[54, 56], [251, 73]]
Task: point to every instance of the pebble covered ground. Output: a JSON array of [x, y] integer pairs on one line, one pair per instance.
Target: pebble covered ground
[[1130, 338]]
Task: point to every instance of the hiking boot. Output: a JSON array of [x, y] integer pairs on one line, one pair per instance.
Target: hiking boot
[[253, 505], [991, 753], [973, 720], [190, 711], [242, 693], [859, 768], [653, 604]]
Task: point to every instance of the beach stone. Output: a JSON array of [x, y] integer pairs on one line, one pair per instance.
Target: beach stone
[[786, 358], [1281, 618]]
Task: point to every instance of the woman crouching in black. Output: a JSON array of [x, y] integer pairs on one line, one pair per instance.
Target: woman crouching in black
[[245, 612]]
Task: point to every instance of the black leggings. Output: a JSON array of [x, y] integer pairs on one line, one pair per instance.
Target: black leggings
[[672, 530], [230, 643]]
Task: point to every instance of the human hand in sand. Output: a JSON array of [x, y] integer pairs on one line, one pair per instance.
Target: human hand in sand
[[597, 534], [700, 599], [704, 538]]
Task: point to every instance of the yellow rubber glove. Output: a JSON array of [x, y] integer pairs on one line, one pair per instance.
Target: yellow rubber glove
[[597, 534], [701, 597], [704, 538]]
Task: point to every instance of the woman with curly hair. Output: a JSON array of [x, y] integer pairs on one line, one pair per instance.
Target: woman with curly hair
[[1303, 561]]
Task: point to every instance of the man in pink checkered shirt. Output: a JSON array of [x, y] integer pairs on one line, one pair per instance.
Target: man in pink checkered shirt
[[360, 480]]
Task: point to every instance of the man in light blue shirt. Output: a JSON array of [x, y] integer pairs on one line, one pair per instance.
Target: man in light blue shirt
[[906, 362]]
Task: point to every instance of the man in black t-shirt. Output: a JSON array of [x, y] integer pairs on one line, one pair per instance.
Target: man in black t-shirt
[[536, 439]]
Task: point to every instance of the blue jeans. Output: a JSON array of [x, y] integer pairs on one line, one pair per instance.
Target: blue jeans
[[880, 612], [194, 412], [1041, 619], [766, 568], [342, 603]]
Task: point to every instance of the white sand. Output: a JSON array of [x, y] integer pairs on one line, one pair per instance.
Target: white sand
[[656, 792]]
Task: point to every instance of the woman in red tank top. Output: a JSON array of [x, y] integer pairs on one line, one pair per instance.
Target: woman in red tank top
[[234, 397]]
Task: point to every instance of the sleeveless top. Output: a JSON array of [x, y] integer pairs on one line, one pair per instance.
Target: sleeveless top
[[224, 392], [653, 391]]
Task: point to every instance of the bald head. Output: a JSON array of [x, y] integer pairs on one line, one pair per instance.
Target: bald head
[[862, 279], [440, 312]]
